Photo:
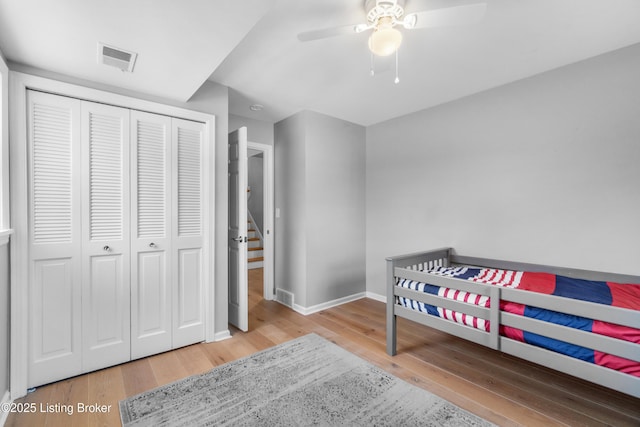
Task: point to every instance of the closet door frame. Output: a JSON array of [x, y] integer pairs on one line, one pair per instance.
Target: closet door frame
[[19, 84]]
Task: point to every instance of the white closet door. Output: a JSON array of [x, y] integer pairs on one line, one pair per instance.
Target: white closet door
[[54, 239], [105, 235], [188, 234], [151, 234]]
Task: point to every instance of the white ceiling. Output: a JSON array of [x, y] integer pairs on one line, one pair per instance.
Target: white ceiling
[[179, 42], [251, 47]]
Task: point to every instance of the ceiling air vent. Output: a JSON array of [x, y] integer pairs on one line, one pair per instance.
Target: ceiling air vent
[[116, 57]]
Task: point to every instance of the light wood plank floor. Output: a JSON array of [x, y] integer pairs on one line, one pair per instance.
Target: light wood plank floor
[[500, 388]]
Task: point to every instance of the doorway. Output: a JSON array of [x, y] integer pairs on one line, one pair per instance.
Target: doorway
[[261, 207]]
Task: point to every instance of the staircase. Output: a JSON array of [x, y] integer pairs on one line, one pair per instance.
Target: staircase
[[254, 246]]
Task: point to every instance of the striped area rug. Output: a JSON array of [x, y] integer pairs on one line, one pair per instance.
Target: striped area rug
[[306, 381]]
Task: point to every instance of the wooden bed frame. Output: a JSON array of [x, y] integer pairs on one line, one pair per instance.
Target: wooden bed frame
[[409, 266]]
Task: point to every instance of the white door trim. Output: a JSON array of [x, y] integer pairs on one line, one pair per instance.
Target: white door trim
[[19, 84], [268, 229]]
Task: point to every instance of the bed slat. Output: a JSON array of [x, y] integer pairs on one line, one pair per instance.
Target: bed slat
[[590, 340], [447, 282], [475, 335], [581, 369], [590, 310], [459, 306], [561, 271]]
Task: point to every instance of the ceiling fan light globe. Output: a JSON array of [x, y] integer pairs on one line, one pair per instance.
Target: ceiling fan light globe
[[385, 41]]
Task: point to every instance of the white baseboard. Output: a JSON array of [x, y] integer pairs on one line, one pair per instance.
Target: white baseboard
[[222, 335], [329, 304], [376, 297], [305, 311], [5, 414]]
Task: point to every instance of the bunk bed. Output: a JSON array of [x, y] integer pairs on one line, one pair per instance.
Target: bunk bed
[[584, 323]]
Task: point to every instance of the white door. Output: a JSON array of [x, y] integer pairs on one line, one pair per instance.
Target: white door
[[238, 287], [188, 233], [105, 236], [55, 245], [150, 234]]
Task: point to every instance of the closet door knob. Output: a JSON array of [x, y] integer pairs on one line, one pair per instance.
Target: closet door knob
[[107, 248], [153, 245]]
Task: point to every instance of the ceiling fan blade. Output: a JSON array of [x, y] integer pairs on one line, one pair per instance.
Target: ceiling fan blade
[[448, 16], [331, 32]]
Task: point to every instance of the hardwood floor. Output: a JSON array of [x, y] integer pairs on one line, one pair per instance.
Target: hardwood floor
[[503, 389]]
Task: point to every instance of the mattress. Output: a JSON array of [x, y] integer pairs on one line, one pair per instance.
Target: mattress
[[607, 293]]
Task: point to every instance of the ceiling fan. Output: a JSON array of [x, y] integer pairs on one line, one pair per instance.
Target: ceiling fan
[[383, 16]]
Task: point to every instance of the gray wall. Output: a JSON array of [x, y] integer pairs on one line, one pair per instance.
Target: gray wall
[[257, 130], [544, 170], [211, 98], [290, 201], [320, 187], [335, 208], [255, 204]]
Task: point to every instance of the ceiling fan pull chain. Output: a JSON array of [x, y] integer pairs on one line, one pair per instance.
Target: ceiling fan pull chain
[[397, 80], [372, 71]]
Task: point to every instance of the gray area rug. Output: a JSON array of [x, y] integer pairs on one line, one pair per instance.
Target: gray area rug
[[307, 381]]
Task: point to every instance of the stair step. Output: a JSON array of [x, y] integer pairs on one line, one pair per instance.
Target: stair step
[[255, 252], [254, 247]]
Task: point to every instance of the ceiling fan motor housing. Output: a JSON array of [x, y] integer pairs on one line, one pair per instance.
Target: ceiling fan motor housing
[[377, 9]]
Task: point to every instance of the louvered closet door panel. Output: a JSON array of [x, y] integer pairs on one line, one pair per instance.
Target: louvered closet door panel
[[106, 245], [188, 239], [54, 238], [151, 234]]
